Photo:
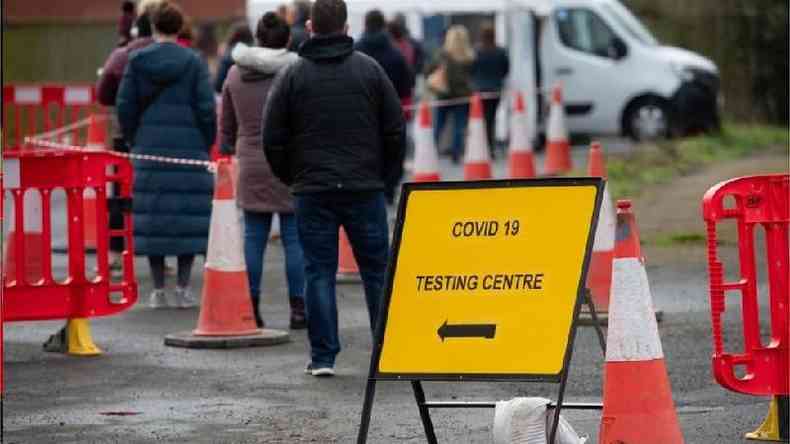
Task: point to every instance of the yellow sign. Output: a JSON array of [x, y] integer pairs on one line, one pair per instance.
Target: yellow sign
[[486, 280]]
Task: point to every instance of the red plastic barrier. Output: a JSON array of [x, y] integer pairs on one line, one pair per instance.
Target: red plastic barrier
[[31, 292], [29, 110], [2, 293], [758, 201]]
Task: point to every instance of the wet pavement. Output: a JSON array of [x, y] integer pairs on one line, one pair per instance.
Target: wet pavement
[[142, 391]]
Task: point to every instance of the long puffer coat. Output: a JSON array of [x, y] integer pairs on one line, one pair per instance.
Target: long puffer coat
[[171, 202], [243, 97]]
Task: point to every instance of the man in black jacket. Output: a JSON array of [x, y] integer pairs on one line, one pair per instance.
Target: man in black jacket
[[377, 43], [333, 129]]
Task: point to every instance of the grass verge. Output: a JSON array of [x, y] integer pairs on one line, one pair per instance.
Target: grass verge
[[652, 164]]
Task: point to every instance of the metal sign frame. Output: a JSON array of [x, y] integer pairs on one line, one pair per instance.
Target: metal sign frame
[[560, 378]]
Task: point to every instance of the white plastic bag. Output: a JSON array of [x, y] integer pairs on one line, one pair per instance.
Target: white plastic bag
[[528, 421]]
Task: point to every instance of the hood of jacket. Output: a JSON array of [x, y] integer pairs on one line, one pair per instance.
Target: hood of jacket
[[163, 62], [326, 48], [374, 42], [257, 60]]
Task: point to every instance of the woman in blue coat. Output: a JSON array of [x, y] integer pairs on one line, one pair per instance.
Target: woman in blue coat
[[166, 108]]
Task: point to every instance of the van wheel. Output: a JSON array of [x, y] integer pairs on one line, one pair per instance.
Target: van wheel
[[648, 118]]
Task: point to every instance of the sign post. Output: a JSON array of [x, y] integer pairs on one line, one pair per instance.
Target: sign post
[[485, 283]]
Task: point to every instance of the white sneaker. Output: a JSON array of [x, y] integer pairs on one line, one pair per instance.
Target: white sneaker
[[185, 298], [319, 371], [158, 300]]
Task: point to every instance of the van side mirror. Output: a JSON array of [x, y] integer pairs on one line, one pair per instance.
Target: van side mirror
[[617, 48]]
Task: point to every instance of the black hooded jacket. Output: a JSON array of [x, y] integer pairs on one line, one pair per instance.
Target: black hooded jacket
[[333, 120], [379, 46]]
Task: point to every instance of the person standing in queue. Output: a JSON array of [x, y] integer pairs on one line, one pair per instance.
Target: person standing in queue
[[378, 44], [166, 108], [450, 78], [334, 130], [489, 72], [260, 193], [106, 93], [239, 33]]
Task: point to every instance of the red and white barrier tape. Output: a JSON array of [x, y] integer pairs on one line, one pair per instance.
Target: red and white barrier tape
[[68, 128], [41, 139], [451, 102], [210, 166]]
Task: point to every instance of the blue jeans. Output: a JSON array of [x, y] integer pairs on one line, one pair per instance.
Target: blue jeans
[[319, 218], [460, 115], [256, 236]]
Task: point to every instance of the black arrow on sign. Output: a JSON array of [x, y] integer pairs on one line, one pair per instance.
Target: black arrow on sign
[[487, 331]]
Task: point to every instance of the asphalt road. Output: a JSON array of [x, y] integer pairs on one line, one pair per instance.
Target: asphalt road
[[142, 391]]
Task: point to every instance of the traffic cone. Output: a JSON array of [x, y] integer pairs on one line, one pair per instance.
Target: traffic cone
[[522, 162], [626, 235], [426, 161], [599, 275], [477, 160], [97, 139], [637, 398], [31, 238], [347, 268], [558, 150], [214, 153], [97, 133], [226, 319]]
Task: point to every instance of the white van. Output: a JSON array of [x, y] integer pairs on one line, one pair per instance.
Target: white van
[[617, 78]]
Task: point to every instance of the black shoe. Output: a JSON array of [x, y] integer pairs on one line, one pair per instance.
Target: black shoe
[[258, 319], [57, 343]]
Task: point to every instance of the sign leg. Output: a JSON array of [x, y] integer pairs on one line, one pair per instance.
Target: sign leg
[[425, 415], [783, 410], [367, 407], [598, 330]]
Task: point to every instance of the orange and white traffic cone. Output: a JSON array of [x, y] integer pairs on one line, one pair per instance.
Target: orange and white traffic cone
[[558, 149], [426, 161], [626, 235], [477, 160], [29, 237], [637, 397], [97, 139], [599, 275], [97, 133], [522, 162], [347, 268], [226, 317]]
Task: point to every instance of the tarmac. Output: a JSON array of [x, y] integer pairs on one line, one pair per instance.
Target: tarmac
[[141, 391]]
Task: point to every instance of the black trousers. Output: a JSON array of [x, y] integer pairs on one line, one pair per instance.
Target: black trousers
[[489, 113]]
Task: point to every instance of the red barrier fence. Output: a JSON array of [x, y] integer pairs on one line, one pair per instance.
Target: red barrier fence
[[29, 110], [31, 291], [753, 202]]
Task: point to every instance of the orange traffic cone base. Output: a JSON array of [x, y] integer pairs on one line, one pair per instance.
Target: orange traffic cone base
[[558, 159], [222, 317], [222, 324], [347, 268], [632, 413], [33, 263], [477, 171], [426, 177], [599, 278], [522, 164]]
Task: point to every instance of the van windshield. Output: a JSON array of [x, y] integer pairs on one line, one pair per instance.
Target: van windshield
[[630, 23]]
